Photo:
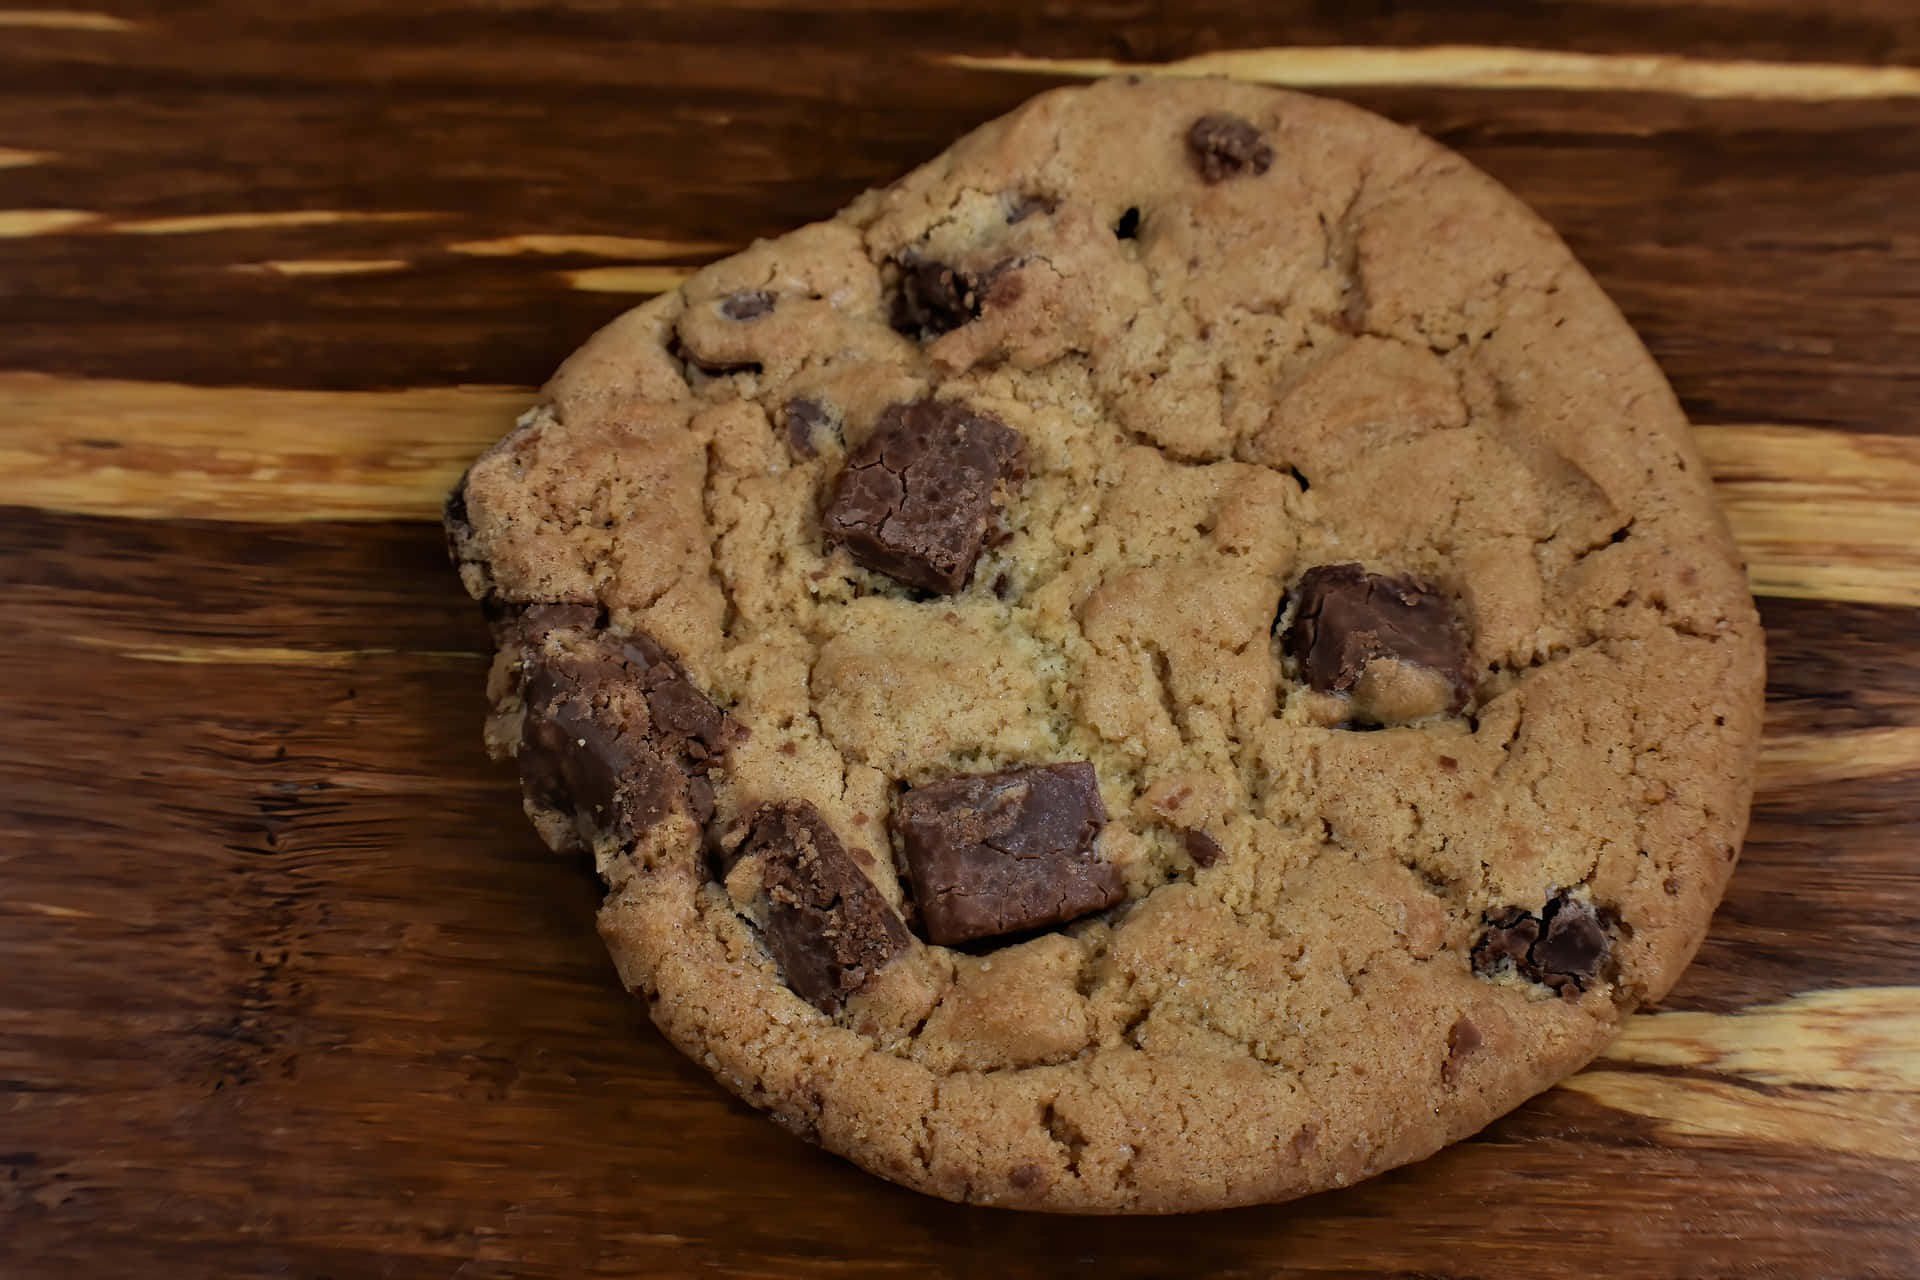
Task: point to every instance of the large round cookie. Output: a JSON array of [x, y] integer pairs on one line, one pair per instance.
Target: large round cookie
[[1179, 655]]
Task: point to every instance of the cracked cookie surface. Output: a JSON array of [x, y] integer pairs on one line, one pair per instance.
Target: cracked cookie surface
[[1229, 511]]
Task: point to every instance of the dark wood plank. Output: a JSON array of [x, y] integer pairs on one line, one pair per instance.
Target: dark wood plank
[[295, 990]]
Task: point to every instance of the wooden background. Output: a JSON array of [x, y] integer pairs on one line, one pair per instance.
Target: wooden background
[[287, 985]]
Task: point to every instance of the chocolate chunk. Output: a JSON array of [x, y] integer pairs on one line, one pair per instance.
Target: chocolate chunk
[[1224, 146], [828, 928], [934, 298], [1565, 947], [1510, 935], [1202, 848], [1574, 947], [807, 421], [750, 304], [614, 734], [1348, 619], [916, 498], [995, 853], [1128, 226]]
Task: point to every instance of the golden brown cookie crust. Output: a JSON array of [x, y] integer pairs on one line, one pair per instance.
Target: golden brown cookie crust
[[1364, 351]]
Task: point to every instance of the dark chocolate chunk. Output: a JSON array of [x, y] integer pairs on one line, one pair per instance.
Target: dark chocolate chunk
[[1224, 146], [916, 498], [1574, 947], [996, 853], [1348, 617], [750, 304], [1128, 226], [1202, 848], [807, 421], [828, 928], [1565, 946], [934, 298], [615, 735]]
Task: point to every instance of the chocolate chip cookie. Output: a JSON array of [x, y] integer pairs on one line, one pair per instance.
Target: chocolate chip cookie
[[1179, 655]]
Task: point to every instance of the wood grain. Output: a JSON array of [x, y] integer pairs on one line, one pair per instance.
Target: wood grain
[[1492, 67], [287, 986]]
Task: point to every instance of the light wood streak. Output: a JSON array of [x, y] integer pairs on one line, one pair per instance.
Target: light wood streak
[[1840, 1071], [1860, 1038], [637, 247], [1801, 760], [161, 451], [18, 224], [1867, 1124], [164, 451], [48, 909], [17, 158], [1491, 67], [324, 266], [64, 20], [1826, 515], [627, 279], [196, 224], [268, 655]]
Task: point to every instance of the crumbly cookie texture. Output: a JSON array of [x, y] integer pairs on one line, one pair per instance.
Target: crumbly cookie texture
[[1205, 553]]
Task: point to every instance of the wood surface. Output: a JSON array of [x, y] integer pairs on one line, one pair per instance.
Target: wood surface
[[287, 985]]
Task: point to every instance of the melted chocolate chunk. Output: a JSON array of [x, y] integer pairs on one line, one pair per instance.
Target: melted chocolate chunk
[[807, 422], [1224, 146], [828, 928], [1348, 617], [615, 734], [1574, 948], [748, 305], [916, 498], [1510, 935], [935, 298], [996, 853], [1564, 947], [1201, 847]]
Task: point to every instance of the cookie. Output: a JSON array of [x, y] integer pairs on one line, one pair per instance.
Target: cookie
[[1180, 655]]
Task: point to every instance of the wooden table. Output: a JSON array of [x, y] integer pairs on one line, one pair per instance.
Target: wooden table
[[288, 987]]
